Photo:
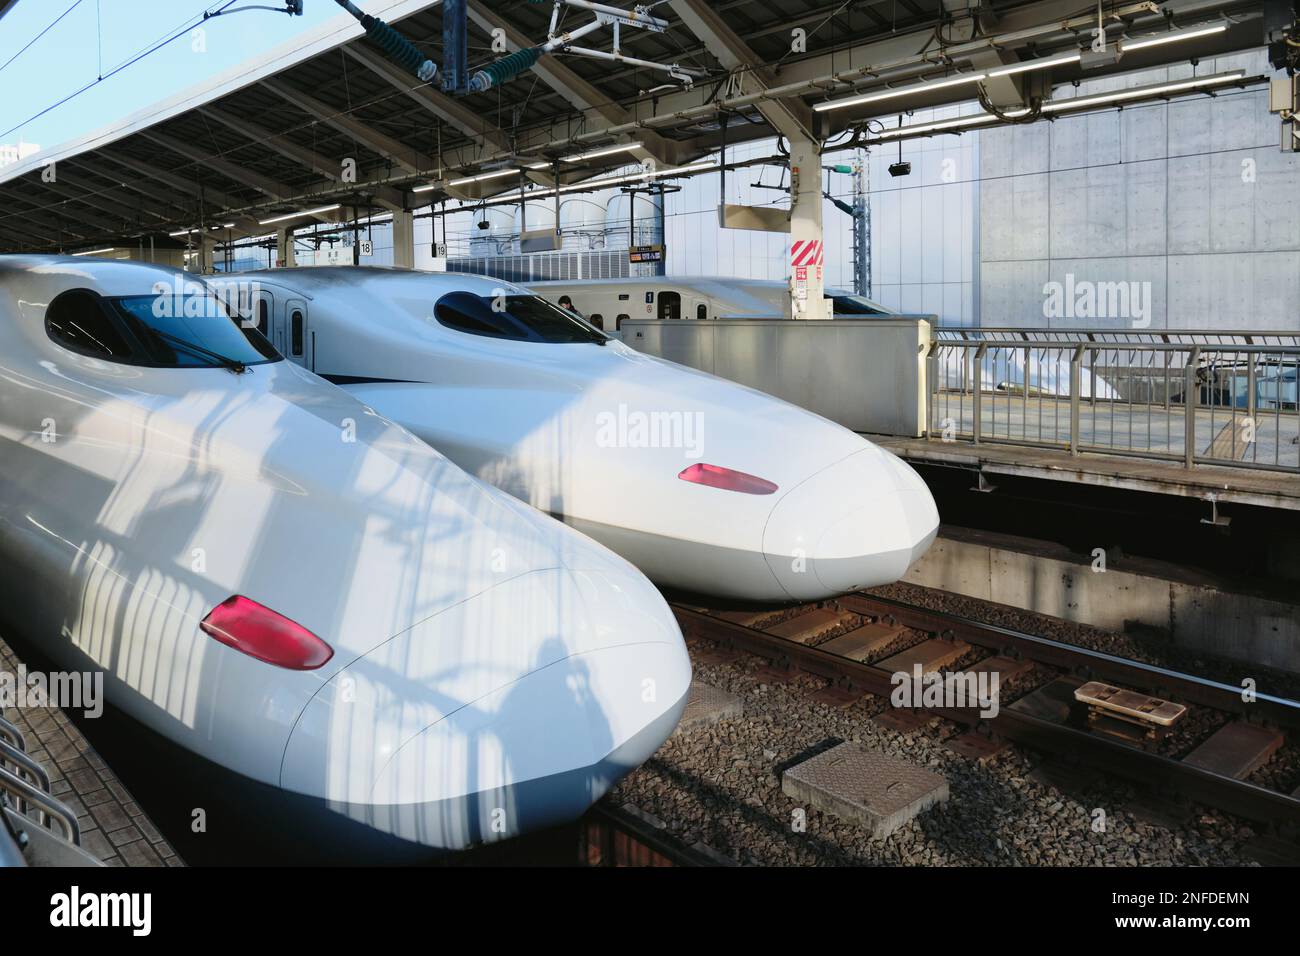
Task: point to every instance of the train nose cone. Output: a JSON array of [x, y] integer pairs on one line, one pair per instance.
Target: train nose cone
[[514, 710], [858, 523]]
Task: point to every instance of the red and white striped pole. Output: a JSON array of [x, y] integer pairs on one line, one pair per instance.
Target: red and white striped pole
[[807, 250]]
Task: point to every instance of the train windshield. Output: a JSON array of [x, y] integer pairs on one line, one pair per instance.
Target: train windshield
[[188, 330], [523, 318]]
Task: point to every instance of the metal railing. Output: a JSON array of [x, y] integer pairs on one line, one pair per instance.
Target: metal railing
[[1177, 396], [1119, 336]]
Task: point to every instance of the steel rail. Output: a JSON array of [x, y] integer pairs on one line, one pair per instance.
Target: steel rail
[[1044, 650], [1226, 793], [658, 841]]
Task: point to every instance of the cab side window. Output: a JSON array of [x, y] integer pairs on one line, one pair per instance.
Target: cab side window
[[77, 320], [263, 317]]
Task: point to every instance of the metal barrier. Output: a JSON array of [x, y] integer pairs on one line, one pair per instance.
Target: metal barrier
[[1119, 336], [1175, 396]]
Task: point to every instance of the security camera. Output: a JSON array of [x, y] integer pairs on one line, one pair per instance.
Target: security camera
[[900, 169]]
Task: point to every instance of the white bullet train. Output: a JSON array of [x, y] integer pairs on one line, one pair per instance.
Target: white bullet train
[[284, 583], [705, 485], [607, 303]]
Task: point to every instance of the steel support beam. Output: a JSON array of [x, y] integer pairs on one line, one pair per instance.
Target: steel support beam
[[792, 119], [23, 224], [232, 171], [61, 209], [165, 203], [598, 108], [385, 196], [130, 213], [449, 110], [187, 187], [410, 160]]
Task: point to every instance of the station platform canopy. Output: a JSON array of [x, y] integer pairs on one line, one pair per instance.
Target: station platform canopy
[[327, 127]]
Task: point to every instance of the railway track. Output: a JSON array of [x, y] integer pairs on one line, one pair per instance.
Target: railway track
[[1048, 717], [616, 836]]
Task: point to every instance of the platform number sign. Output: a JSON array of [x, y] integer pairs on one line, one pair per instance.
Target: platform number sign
[[367, 247]]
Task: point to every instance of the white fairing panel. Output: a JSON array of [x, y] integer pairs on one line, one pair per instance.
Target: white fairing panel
[[598, 434], [1004, 369], [135, 499]]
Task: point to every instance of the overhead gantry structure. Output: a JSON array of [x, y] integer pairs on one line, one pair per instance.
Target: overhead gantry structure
[[330, 128]]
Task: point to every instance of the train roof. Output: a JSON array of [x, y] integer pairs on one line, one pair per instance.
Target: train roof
[[107, 276], [665, 280], [313, 280]]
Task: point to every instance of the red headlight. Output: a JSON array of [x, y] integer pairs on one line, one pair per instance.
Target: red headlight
[[715, 476], [259, 632]]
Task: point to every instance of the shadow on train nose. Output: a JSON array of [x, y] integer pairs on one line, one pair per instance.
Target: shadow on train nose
[[513, 711], [859, 523]]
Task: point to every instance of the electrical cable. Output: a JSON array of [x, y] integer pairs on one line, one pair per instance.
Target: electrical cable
[[75, 4], [131, 61]]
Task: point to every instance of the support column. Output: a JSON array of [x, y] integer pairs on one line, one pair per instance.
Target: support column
[[403, 239], [807, 255], [284, 248], [206, 247]]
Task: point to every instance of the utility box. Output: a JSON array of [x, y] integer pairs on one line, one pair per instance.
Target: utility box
[[1284, 99], [866, 374]]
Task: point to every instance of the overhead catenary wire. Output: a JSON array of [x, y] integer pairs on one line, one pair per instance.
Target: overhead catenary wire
[[29, 43], [136, 58]]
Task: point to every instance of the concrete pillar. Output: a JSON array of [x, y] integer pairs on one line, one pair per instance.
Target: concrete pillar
[[284, 248], [807, 254], [206, 247], [403, 240]]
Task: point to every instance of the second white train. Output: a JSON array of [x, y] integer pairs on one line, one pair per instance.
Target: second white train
[[704, 484]]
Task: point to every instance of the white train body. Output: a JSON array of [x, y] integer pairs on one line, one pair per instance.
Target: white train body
[[1003, 369], [439, 662], [606, 303], [625, 447]]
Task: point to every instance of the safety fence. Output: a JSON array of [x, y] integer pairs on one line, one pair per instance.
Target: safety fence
[[1193, 397]]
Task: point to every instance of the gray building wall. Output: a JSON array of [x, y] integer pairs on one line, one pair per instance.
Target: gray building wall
[[1161, 195], [924, 258]]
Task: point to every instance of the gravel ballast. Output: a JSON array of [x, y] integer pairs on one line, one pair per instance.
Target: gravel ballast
[[721, 785]]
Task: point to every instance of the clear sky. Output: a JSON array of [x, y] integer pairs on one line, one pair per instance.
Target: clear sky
[[99, 35]]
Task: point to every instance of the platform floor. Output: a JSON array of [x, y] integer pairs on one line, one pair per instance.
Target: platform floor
[[1122, 427], [1268, 489], [114, 827]]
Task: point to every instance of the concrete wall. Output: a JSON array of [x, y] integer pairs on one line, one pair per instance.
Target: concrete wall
[[1192, 199], [923, 225], [866, 374], [1193, 613]]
